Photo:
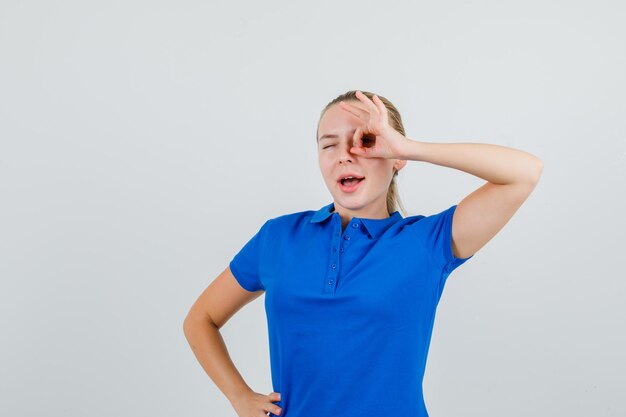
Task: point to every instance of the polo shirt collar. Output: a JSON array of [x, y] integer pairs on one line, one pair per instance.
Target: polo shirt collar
[[323, 213], [375, 227]]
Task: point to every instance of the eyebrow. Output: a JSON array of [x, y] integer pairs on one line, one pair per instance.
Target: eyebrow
[[333, 136]]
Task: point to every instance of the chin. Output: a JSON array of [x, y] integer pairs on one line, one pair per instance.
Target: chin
[[351, 203]]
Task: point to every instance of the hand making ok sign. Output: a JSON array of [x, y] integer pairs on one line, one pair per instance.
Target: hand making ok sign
[[375, 138]]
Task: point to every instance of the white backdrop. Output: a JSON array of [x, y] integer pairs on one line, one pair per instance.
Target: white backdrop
[[142, 143]]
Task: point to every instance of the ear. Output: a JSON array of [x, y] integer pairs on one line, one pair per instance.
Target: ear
[[399, 164]]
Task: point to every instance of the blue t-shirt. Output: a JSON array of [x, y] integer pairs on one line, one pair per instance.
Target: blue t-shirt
[[350, 313]]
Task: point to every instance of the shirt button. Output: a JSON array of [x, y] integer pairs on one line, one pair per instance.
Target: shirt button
[[341, 250], [333, 266], [331, 281], [355, 225], [347, 237]]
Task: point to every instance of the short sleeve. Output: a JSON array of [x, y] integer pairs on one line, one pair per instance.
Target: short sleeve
[[436, 234], [246, 264]]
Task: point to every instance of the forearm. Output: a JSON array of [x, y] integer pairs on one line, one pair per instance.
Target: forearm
[[493, 163], [207, 344]]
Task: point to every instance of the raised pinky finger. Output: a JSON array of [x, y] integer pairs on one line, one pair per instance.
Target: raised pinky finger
[[358, 112]]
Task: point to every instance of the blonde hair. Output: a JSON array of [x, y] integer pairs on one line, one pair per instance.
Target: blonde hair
[[393, 196]]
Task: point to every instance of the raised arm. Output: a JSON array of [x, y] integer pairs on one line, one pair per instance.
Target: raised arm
[[511, 176]]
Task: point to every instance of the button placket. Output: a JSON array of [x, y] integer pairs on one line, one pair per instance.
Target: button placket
[[354, 223], [333, 265]]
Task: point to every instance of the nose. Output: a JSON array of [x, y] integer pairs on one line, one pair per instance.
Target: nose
[[345, 155]]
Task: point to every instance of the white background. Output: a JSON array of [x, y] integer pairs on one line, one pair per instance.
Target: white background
[[142, 143]]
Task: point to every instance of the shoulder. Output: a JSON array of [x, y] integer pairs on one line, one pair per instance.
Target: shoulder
[[289, 221], [430, 224], [412, 219], [424, 220]]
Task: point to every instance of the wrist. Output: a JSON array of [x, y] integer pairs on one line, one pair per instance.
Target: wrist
[[411, 150], [234, 395]]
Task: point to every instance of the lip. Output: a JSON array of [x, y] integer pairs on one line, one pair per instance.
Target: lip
[[349, 174], [350, 188]]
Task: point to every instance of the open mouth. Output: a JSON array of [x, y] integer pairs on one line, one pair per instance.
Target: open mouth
[[350, 184], [351, 181]]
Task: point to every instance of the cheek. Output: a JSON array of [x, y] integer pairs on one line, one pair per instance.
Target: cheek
[[325, 167], [380, 174]]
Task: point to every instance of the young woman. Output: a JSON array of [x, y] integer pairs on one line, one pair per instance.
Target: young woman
[[351, 289]]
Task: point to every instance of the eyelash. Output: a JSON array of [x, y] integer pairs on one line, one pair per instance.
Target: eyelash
[[327, 146]]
